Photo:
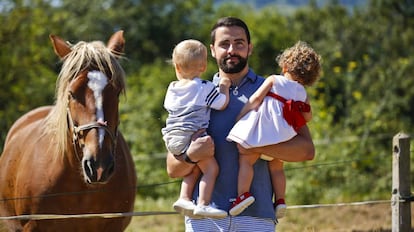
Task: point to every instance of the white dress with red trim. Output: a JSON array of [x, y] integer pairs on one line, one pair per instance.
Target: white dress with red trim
[[267, 126]]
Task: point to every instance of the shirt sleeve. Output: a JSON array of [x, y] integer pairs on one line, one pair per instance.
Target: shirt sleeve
[[214, 99]]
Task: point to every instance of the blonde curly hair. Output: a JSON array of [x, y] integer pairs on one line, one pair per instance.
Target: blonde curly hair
[[301, 62]]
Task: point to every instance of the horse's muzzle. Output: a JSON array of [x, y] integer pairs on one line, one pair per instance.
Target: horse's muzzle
[[97, 172]]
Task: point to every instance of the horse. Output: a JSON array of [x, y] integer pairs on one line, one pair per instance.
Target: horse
[[70, 158]]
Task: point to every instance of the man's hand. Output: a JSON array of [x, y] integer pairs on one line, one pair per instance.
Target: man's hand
[[200, 147]]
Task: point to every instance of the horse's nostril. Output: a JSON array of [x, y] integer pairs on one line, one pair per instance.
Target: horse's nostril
[[89, 169], [111, 168], [108, 170]]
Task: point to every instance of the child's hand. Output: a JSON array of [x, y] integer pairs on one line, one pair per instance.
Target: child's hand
[[225, 81]]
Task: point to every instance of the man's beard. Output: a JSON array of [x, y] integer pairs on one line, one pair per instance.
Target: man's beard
[[232, 68]]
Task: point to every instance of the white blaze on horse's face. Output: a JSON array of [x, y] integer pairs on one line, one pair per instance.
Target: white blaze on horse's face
[[97, 82]]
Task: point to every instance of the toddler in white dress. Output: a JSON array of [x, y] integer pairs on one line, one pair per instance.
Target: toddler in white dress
[[274, 114]]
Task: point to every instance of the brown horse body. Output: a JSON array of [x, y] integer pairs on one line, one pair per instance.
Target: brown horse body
[[91, 172]]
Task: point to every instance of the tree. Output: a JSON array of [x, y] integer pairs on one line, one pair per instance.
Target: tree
[[364, 97], [27, 61]]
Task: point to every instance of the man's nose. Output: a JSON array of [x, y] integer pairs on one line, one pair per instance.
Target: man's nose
[[231, 49]]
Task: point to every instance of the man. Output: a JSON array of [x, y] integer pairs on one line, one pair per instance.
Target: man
[[231, 47]]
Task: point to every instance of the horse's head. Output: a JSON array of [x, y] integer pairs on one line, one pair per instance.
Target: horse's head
[[88, 90]]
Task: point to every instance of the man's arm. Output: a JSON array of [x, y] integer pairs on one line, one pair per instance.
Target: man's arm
[[307, 115], [199, 148], [299, 148]]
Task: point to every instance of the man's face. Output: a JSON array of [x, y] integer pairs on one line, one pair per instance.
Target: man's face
[[231, 49]]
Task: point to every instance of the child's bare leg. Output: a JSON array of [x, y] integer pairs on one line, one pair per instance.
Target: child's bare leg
[[184, 204], [245, 178], [246, 172], [210, 169], [279, 186], [188, 184], [278, 178]]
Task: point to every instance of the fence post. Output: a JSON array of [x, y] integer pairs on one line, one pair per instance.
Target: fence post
[[401, 189]]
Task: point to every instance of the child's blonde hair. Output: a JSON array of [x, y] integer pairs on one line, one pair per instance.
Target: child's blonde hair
[[301, 62], [190, 55]]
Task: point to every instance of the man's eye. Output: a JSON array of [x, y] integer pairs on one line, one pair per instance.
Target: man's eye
[[240, 45], [224, 45]]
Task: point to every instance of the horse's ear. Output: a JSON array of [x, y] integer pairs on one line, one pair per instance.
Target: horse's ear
[[117, 43], [60, 46]]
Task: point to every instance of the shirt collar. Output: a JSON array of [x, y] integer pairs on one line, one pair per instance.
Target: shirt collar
[[251, 76]]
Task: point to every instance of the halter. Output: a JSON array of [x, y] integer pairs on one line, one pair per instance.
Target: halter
[[77, 132]]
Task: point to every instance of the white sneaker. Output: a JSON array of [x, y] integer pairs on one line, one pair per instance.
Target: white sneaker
[[209, 211], [280, 210], [184, 207]]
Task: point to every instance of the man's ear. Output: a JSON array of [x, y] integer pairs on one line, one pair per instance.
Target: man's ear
[[250, 49], [213, 53]]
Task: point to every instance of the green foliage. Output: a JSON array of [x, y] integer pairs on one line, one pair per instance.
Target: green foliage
[[270, 36], [154, 27], [27, 73], [364, 97], [142, 118]]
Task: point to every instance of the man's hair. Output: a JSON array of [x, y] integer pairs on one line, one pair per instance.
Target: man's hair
[[229, 22]]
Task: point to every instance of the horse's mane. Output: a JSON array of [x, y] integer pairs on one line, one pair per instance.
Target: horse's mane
[[85, 56]]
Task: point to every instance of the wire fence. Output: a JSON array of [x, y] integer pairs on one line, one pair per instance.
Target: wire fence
[[155, 213], [158, 213]]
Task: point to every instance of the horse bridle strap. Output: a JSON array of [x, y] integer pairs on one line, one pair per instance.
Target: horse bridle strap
[[77, 130]]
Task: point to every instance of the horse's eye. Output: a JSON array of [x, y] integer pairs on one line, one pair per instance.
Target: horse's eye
[[73, 96]]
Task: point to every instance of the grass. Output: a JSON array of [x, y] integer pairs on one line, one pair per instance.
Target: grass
[[361, 218], [158, 223]]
